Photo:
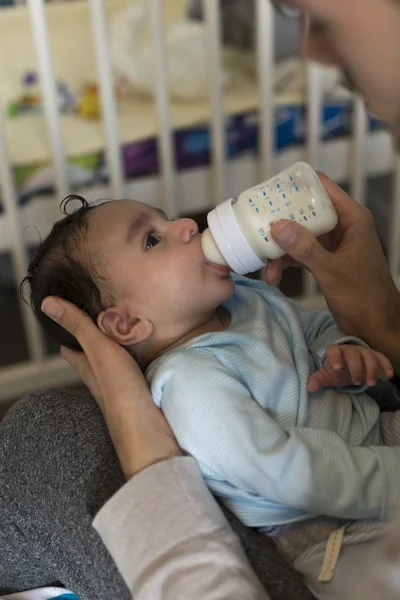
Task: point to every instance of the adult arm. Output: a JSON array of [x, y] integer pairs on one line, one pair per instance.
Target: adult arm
[[351, 270], [166, 533], [171, 541]]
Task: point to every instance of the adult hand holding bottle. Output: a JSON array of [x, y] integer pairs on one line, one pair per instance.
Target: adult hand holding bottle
[[351, 270]]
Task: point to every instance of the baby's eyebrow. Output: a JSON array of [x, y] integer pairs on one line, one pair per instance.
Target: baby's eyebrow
[[162, 213], [136, 224]]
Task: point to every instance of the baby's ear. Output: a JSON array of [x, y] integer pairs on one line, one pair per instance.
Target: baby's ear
[[123, 328]]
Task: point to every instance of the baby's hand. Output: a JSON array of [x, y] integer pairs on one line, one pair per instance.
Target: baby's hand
[[349, 365]]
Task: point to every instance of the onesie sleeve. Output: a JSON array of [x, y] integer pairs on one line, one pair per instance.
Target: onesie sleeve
[[302, 471]]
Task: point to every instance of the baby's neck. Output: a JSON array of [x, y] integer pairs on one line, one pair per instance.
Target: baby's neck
[[218, 321]]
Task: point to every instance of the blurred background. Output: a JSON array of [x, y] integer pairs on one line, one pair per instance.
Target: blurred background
[[178, 103]]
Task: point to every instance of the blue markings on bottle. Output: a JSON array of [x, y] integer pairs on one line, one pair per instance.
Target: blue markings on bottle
[[250, 200], [305, 218], [284, 196], [266, 239], [257, 210], [296, 188], [270, 202]]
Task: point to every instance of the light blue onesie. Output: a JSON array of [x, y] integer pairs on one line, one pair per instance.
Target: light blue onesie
[[237, 401]]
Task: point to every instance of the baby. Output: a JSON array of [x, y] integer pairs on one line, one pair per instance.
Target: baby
[[268, 397]]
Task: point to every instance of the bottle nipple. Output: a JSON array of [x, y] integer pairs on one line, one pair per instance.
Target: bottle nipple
[[210, 249]]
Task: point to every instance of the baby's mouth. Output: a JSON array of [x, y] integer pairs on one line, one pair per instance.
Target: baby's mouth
[[221, 268]]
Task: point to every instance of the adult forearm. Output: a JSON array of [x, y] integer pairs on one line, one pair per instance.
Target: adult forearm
[[170, 540], [383, 334], [138, 433]]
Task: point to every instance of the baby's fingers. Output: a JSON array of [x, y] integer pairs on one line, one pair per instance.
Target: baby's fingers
[[334, 356], [385, 365], [354, 363], [371, 366], [374, 363], [317, 381]]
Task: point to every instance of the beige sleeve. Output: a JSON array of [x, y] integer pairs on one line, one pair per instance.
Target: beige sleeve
[[171, 541]]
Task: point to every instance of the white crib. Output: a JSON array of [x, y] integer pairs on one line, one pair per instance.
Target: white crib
[[349, 158]]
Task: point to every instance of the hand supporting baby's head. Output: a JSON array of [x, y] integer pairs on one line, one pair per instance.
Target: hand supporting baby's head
[[142, 278]]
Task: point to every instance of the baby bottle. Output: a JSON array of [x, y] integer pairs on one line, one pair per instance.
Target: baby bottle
[[239, 231]]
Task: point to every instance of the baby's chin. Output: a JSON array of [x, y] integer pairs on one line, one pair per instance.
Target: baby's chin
[[229, 287]]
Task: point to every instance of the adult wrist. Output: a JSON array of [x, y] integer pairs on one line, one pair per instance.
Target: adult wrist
[[140, 435], [386, 339]]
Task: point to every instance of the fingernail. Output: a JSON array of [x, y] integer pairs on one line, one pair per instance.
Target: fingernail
[[52, 309], [284, 233]]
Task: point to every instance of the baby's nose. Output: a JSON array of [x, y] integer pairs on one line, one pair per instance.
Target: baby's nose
[[188, 229]]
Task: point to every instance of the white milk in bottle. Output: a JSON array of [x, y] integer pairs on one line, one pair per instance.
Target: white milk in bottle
[[239, 232]]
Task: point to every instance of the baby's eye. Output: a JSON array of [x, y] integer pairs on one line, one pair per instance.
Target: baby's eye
[[152, 240]]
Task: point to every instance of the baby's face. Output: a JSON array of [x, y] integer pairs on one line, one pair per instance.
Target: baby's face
[[155, 264]]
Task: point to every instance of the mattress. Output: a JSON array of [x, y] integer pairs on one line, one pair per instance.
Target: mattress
[[192, 148]]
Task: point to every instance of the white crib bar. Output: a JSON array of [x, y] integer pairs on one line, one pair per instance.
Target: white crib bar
[[394, 240], [50, 103], [358, 160], [265, 34], [19, 253], [314, 109], [106, 88], [213, 21], [314, 106], [161, 86]]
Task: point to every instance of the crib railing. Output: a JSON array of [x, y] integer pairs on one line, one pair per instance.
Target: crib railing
[[42, 371]]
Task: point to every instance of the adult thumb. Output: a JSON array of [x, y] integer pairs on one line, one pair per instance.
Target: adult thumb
[[301, 245]]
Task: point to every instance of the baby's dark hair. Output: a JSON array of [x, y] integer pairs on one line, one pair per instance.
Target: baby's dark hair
[[62, 268]]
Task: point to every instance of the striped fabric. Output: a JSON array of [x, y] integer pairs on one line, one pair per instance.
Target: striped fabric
[[369, 559], [237, 401]]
